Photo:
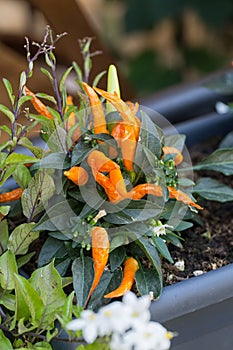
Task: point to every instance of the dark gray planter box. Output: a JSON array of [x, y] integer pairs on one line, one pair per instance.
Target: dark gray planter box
[[200, 309]]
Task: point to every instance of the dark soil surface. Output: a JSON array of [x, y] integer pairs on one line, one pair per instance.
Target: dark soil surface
[[206, 247]]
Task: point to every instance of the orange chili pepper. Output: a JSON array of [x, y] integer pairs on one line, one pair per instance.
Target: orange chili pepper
[[130, 268], [118, 181], [11, 196], [172, 150], [38, 105], [133, 106], [97, 110], [100, 253], [109, 188], [99, 162], [182, 197], [72, 120], [78, 175], [125, 111], [124, 134], [102, 163], [141, 190]]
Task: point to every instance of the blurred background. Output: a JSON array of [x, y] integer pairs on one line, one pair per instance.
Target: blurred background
[[156, 43]]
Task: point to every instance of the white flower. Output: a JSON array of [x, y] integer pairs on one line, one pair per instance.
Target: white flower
[[149, 336], [136, 309], [88, 323], [119, 343], [160, 229], [112, 318]]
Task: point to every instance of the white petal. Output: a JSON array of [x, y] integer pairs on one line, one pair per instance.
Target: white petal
[[75, 325], [90, 334]]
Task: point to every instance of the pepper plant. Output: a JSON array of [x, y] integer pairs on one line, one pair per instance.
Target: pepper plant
[[92, 209]]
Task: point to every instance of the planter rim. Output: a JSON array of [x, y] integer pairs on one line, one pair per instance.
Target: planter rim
[[189, 100], [193, 294]]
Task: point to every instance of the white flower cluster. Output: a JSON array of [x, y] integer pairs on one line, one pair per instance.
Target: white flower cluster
[[127, 323]]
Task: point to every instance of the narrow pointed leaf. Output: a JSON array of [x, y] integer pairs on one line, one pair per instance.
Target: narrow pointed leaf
[[213, 190], [83, 273], [21, 238], [35, 197], [221, 160], [8, 268]]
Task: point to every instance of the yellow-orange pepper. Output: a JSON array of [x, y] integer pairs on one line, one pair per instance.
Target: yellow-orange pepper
[[11, 196], [72, 120], [118, 182], [97, 110], [38, 105], [125, 136], [101, 162], [141, 190], [122, 107], [78, 175], [130, 268], [182, 197], [100, 253]]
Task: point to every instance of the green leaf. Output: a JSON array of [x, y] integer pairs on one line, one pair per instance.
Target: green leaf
[[153, 256], [78, 71], [174, 239], [52, 248], [136, 211], [183, 225], [116, 258], [21, 238], [98, 77], [29, 305], [162, 248], [221, 160], [35, 197], [9, 89], [9, 170], [82, 270], [4, 210], [227, 141], [185, 182], [4, 234], [22, 80], [22, 176], [108, 279], [6, 129], [5, 343], [59, 217], [23, 260], [17, 158], [8, 300], [42, 346], [55, 161], [147, 281], [54, 135], [48, 279], [37, 151], [47, 73], [150, 135], [5, 110], [177, 141], [64, 77], [8, 267], [213, 190], [79, 153], [47, 97], [22, 100]]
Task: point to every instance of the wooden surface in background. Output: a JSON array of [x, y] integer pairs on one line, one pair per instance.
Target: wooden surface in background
[[62, 16]]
